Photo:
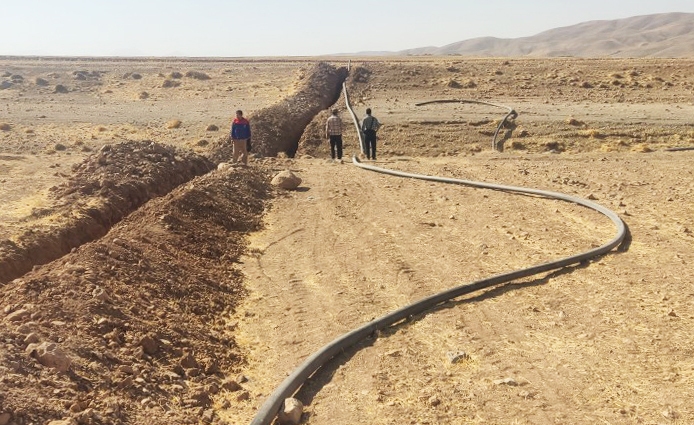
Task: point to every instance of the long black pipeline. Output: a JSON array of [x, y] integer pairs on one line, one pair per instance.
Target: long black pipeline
[[268, 411]]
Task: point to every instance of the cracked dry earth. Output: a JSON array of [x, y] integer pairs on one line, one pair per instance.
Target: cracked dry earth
[[195, 306]]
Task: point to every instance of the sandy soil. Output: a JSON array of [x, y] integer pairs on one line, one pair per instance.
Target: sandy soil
[[194, 307]]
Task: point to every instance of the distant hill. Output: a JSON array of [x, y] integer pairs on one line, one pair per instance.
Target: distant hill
[[662, 35]]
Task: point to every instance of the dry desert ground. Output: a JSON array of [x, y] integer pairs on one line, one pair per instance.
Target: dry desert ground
[[144, 283]]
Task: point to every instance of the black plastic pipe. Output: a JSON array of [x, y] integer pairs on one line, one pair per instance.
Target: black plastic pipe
[[268, 411]]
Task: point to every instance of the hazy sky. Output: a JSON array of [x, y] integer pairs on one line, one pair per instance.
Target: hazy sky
[[231, 28]]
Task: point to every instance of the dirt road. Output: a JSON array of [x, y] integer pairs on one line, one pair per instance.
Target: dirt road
[[575, 346]]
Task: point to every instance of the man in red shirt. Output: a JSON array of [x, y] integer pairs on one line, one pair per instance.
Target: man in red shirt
[[240, 133]]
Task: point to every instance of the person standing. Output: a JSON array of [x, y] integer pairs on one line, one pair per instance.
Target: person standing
[[240, 134], [369, 126], [333, 132]]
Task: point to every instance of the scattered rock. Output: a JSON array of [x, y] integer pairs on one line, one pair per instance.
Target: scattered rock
[[291, 412], [5, 127], [173, 124], [212, 127], [50, 355], [61, 89], [18, 315], [286, 180]]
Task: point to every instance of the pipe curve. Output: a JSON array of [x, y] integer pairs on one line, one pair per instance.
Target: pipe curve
[[295, 380]]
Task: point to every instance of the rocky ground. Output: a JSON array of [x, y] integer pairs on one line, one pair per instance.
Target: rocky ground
[[182, 293]]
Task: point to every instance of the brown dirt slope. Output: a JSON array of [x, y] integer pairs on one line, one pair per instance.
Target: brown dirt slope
[[139, 313]]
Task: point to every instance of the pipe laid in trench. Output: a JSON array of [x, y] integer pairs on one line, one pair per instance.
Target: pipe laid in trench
[[268, 411]]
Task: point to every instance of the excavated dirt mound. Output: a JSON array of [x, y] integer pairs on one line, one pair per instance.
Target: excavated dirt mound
[[102, 190], [137, 314], [279, 127]]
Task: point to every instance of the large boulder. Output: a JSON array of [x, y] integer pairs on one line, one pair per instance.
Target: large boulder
[[286, 180]]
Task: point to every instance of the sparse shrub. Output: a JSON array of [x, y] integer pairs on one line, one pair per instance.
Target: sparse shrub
[[212, 127], [60, 147], [469, 84], [202, 142], [197, 75], [554, 146], [5, 126], [135, 76], [61, 89], [517, 145], [173, 124], [143, 95], [453, 84], [586, 85], [176, 74], [41, 82], [575, 122], [170, 83]]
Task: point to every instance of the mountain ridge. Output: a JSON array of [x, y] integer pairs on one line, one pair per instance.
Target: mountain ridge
[[658, 35]]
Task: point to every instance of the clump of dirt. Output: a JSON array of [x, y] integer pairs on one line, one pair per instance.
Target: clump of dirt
[[103, 189], [138, 315]]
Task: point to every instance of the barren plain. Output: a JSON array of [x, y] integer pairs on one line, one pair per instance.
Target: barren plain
[[142, 283]]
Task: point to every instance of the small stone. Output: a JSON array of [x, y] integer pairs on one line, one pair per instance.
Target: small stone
[[17, 316], [434, 401], [291, 412], [31, 338], [243, 396], [50, 355]]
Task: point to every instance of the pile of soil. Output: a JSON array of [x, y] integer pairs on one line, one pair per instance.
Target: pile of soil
[[129, 329], [102, 190]]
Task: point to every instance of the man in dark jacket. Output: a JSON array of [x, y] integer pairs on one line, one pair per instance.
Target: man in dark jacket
[[369, 126], [240, 134]]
